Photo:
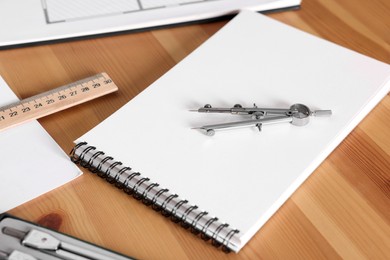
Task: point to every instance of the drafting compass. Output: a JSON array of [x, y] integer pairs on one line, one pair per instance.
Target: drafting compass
[[297, 114]]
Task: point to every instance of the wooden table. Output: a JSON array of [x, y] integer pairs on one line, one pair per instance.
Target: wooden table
[[341, 211]]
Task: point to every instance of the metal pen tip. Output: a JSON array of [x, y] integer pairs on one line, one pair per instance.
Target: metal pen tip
[[193, 110]]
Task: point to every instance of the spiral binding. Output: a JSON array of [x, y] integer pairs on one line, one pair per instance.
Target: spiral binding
[[160, 199]]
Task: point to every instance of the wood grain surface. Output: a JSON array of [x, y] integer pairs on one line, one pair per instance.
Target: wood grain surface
[[341, 211]]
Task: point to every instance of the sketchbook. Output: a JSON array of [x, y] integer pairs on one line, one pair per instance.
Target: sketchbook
[[32, 21], [32, 163], [225, 187]]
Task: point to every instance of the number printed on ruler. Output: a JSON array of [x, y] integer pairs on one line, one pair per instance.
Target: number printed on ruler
[[56, 100]]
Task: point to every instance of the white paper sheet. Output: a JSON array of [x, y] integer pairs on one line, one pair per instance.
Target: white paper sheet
[[243, 176], [31, 162], [27, 21]]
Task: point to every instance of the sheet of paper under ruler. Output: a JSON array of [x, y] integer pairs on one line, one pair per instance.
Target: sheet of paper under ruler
[[35, 164]]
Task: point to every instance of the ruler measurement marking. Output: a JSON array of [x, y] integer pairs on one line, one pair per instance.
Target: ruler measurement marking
[[55, 100]]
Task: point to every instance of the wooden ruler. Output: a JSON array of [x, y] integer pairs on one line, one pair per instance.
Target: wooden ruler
[[55, 100]]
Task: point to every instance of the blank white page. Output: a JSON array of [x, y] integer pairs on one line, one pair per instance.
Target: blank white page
[[243, 176], [32, 163]]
